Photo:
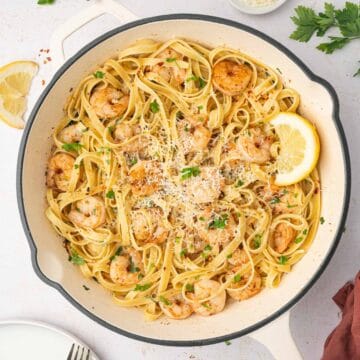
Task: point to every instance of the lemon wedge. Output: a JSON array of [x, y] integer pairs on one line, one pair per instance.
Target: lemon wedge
[[15, 81], [299, 148]]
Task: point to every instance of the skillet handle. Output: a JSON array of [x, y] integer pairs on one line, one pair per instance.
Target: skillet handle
[[79, 20], [276, 336]]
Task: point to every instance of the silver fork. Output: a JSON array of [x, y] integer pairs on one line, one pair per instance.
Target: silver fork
[[81, 353]]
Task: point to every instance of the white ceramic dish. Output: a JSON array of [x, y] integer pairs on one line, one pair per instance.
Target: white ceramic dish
[[318, 103], [23, 339], [253, 10]]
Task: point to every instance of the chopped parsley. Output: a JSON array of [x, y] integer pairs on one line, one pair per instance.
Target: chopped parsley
[[205, 305], [133, 161], [237, 278], [227, 342], [191, 78], [207, 248], [229, 256], [289, 206], [183, 252], [298, 240], [189, 287], [202, 83], [257, 241], [72, 146], [188, 172], [99, 74], [154, 107], [219, 223], [201, 218], [86, 288], [186, 128], [283, 260], [305, 232], [239, 183], [76, 259], [164, 300], [322, 220], [200, 107], [110, 194], [117, 253], [170, 60], [76, 166], [274, 200], [177, 239], [144, 287], [111, 129]]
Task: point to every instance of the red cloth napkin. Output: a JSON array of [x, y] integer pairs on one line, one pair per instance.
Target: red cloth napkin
[[344, 342]]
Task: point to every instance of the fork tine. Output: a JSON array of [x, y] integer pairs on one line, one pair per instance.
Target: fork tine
[[82, 353], [71, 352], [88, 355], [77, 352]]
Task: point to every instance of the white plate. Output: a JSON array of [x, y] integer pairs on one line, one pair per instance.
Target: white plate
[[32, 340], [242, 6]]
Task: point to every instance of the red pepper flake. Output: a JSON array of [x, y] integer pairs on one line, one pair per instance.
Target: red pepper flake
[[47, 51], [42, 82], [48, 58], [45, 62]]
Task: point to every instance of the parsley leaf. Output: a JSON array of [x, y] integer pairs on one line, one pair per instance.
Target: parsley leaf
[[335, 44], [298, 240], [219, 222], [326, 19], [357, 73], [322, 220], [187, 173], [170, 60], [257, 241], [283, 260], [349, 14], [183, 252], [45, 2], [164, 300], [117, 253], [99, 74], [274, 200], [110, 194], [144, 287], [239, 183], [237, 278], [72, 146], [306, 21], [76, 259], [154, 106], [189, 287]]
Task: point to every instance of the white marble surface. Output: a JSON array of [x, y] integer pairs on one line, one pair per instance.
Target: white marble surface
[[25, 28]]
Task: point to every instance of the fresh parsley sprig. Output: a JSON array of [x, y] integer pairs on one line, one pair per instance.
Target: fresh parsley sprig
[[347, 20]]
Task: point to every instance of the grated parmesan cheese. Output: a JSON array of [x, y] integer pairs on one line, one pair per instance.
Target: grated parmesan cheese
[[259, 3]]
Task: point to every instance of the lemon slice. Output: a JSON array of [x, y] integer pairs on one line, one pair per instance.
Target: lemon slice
[[15, 81], [299, 148]]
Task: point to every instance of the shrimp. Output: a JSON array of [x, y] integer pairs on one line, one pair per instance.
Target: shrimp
[[206, 187], [193, 136], [126, 268], [172, 69], [175, 307], [281, 199], [216, 229], [148, 226], [282, 236], [204, 289], [145, 177], [230, 77], [89, 212], [59, 171], [108, 102], [238, 258], [252, 289], [72, 133], [124, 132], [253, 146]]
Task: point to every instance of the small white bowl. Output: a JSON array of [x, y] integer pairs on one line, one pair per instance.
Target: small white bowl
[[253, 10]]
